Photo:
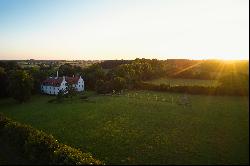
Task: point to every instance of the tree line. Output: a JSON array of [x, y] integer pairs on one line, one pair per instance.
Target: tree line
[[20, 83], [233, 77]]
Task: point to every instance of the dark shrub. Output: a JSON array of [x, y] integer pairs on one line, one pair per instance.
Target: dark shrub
[[70, 156], [3, 122], [17, 134], [39, 147], [103, 87]]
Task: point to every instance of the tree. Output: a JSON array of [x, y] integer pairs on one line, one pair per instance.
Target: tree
[[71, 90], [3, 82], [10, 65], [60, 96], [92, 74], [38, 76], [119, 83], [234, 83], [20, 85], [69, 70], [66, 70], [233, 80], [102, 86]]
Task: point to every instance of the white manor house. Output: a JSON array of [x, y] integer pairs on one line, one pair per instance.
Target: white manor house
[[52, 85]]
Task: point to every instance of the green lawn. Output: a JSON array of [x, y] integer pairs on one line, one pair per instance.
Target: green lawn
[[184, 82], [122, 130]]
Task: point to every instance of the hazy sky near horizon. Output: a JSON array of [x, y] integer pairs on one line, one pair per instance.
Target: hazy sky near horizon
[[124, 29]]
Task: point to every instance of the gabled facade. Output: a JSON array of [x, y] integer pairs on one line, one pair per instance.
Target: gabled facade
[[53, 85]]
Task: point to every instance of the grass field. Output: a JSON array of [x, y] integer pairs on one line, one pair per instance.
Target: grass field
[[184, 82], [122, 130]]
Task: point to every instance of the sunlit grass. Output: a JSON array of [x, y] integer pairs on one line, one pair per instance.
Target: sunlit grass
[[184, 82], [135, 130]]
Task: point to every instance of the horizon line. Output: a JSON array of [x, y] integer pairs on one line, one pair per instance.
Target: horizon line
[[119, 59]]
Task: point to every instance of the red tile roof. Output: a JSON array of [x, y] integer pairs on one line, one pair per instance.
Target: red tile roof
[[72, 80], [57, 81]]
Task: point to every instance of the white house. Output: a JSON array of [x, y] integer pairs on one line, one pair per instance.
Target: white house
[[52, 85]]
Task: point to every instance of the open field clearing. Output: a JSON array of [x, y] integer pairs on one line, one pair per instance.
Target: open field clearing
[[184, 82], [144, 127]]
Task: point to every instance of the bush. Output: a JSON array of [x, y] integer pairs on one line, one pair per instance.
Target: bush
[[3, 122], [60, 96], [70, 156], [103, 87], [20, 85], [16, 134], [118, 83], [39, 147]]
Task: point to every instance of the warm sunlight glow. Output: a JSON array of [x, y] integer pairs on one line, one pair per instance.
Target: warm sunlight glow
[[162, 29]]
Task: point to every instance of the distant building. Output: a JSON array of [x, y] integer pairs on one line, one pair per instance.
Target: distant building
[[52, 85]]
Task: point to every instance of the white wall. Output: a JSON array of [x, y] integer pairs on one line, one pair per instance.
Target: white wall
[[80, 85], [54, 90], [63, 85], [49, 89]]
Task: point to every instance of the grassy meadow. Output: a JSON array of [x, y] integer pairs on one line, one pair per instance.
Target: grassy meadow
[[140, 130], [184, 82]]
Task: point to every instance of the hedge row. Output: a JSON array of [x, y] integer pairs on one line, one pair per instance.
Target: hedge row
[[243, 91], [41, 148]]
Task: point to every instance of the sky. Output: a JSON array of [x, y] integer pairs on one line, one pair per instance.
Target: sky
[[124, 29]]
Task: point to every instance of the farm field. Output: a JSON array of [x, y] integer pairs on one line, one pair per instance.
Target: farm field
[[184, 82], [138, 130]]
